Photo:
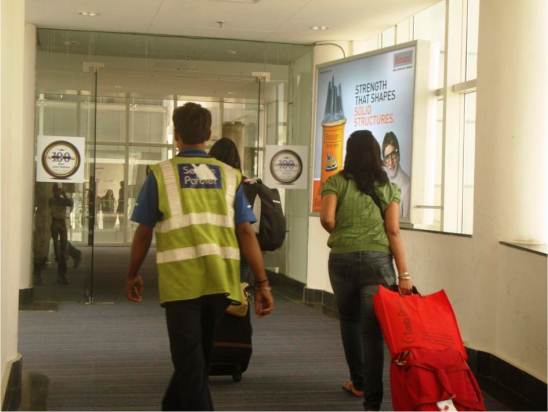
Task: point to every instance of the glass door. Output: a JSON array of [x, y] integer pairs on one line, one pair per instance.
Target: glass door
[[123, 136], [61, 244], [75, 223]]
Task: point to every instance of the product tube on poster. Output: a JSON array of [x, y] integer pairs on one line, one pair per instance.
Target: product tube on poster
[[333, 132]]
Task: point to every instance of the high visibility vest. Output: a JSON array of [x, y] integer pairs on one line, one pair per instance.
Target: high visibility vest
[[197, 250]]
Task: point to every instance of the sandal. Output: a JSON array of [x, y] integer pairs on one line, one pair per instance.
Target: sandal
[[348, 386]]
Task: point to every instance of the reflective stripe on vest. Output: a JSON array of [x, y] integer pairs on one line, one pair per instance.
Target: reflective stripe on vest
[[186, 253], [178, 219]]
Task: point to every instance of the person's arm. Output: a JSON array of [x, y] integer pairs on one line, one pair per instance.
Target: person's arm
[[249, 246], [139, 249], [327, 212], [392, 227], [67, 201], [146, 214]]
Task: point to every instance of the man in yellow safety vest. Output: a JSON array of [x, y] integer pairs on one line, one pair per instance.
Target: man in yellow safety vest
[[196, 207]]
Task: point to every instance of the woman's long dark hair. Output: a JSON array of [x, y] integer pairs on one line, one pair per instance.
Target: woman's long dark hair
[[363, 162], [226, 151]]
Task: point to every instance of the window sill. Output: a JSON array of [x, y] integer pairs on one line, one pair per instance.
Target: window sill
[[407, 226], [541, 250]]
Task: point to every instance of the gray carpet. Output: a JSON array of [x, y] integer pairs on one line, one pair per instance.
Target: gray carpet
[[114, 355]]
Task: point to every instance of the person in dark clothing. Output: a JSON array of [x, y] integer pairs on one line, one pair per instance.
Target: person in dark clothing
[[226, 151], [58, 205], [107, 208]]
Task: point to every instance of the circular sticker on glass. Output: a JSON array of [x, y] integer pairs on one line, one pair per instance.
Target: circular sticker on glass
[[286, 166], [61, 159]]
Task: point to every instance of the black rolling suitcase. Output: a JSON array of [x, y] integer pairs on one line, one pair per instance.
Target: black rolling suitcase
[[232, 346]]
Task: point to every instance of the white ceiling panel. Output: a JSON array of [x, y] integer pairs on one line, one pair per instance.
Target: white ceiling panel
[[115, 15], [239, 19], [264, 20], [350, 20]]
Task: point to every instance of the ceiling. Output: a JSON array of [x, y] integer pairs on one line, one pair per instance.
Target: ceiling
[[287, 21]]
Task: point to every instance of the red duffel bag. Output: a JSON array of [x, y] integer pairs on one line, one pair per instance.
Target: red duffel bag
[[428, 369], [417, 321]]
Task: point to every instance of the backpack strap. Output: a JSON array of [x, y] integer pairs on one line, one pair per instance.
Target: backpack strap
[[372, 194], [377, 201], [250, 190]]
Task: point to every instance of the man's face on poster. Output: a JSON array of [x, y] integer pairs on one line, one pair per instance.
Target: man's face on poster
[[391, 159]]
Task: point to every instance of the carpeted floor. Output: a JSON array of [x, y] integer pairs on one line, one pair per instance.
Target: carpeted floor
[[114, 355]]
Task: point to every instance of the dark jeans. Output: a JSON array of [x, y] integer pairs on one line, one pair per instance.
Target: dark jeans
[[59, 235], [355, 278], [190, 324]]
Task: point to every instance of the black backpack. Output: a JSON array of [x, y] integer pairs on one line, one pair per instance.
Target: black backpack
[[269, 214]]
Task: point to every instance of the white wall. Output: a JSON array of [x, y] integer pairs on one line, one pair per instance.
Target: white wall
[[27, 136], [296, 200], [498, 293], [512, 142], [520, 333], [14, 155]]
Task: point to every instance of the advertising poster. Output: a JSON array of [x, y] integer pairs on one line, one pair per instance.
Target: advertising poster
[[60, 159], [374, 93], [286, 166]]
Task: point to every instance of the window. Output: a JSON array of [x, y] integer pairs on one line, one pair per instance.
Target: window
[[472, 25], [404, 31], [389, 37], [468, 156], [429, 25], [444, 198]]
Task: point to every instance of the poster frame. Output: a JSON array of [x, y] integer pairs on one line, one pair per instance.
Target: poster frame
[[418, 45]]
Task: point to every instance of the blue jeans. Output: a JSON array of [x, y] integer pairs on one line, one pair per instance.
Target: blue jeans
[[355, 278]]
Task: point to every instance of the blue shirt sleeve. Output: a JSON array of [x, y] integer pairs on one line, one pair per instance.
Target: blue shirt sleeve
[[243, 212], [146, 210]]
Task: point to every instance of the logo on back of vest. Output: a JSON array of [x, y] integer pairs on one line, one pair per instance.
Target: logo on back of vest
[[200, 176]]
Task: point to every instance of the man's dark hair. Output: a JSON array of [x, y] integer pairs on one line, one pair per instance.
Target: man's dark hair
[[226, 151], [192, 123], [390, 139], [363, 162]]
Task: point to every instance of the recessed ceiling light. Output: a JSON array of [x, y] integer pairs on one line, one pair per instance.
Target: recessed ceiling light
[[318, 28], [88, 13]]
